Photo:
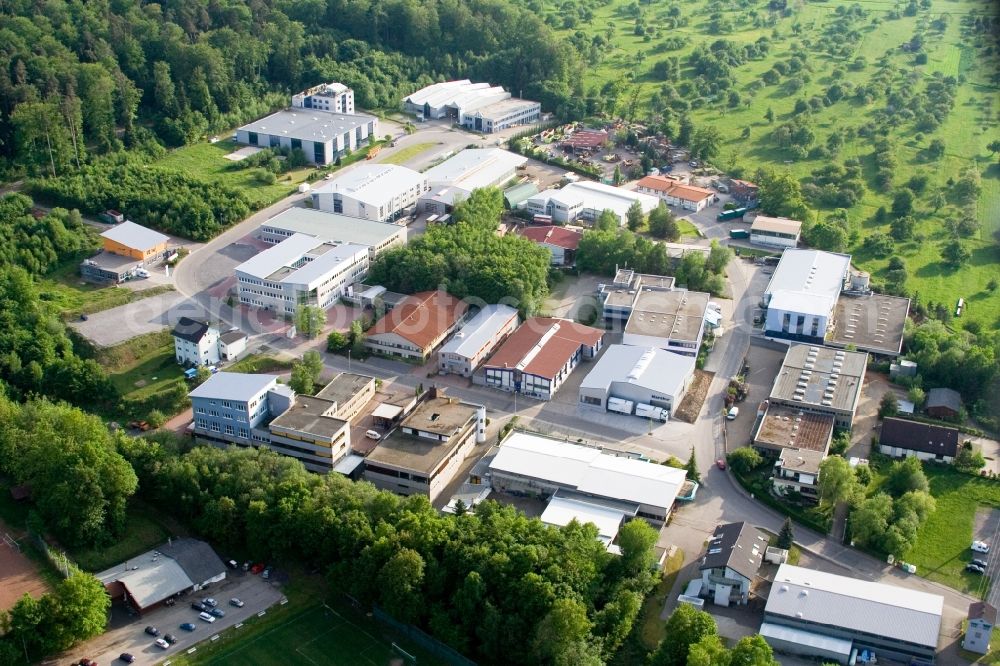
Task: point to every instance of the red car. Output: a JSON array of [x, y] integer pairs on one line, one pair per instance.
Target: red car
[[257, 568], [720, 463]]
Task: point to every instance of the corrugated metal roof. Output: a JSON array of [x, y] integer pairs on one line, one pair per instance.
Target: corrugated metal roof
[[826, 599], [474, 168], [135, 236], [807, 638], [812, 271], [479, 330], [374, 184], [560, 511]]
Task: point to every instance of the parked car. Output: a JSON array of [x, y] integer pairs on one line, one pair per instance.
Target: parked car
[[126, 657], [232, 564], [980, 546], [980, 563], [162, 643], [732, 413], [373, 434], [152, 631], [188, 626], [198, 606], [84, 317], [974, 568], [235, 601], [210, 602], [721, 463], [218, 612], [206, 617], [257, 568], [170, 638], [266, 573]]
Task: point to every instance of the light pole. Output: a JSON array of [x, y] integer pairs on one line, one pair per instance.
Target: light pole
[[348, 360]]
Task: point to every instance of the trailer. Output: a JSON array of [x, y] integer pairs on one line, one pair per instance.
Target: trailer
[[734, 214], [739, 233], [651, 412], [620, 406]]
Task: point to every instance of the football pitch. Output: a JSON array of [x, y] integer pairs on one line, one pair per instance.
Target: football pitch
[[317, 635]]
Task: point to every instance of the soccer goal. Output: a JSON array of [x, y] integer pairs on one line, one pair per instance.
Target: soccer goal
[[11, 542]]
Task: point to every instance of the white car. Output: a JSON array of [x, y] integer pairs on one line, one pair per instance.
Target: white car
[[373, 434], [733, 413], [210, 602], [206, 617], [162, 643], [980, 546]]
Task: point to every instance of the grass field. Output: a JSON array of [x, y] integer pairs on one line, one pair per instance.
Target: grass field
[[408, 153], [806, 29], [942, 550], [69, 297], [307, 636], [688, 230]]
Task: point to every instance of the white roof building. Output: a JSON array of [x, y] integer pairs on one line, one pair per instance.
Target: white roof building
[[803, 293], [234, 386], [587, 200], [560, 511], [135, 236], [477, 339], [895, 622], [461, 96], [333, 228], [639, 374], [473, 168], [371, 191], [541, 465]]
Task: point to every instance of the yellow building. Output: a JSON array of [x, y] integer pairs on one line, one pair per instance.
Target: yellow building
[[131, 240]]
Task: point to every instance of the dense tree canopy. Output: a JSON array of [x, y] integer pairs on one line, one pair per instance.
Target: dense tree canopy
[[39, 244]]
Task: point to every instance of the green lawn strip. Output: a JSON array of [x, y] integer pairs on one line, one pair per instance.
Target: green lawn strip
[[408, 153], [653, 628], [142, 533], [257, 363], [69, 297], [688, 229], [941, 550]]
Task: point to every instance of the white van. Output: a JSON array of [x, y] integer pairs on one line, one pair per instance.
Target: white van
[[206, 617], [373, 434], [733, 413]]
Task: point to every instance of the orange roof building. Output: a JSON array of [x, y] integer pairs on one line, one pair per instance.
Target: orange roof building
[[667, 188], [561, 242], [417, 325], [538, 357]]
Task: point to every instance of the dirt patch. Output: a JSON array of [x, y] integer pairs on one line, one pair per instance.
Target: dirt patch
[[695, 397], [18, 574]]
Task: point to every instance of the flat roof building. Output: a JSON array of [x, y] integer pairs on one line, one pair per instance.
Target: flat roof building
[[797, 470], [126, 249], [349, 392], [775, 231], [586, 200], [476, 106], [637, 376], [468, 170], [417, 326], [300, 270], [803, 293], [821, 380], [477, 339], [670, 320], [870, 322], [539, 356], [334, 228], [379, 192], [423, 454], [323, 136], [545, 467], [827, 611], [783, 427], [331, 97], [619, 297]]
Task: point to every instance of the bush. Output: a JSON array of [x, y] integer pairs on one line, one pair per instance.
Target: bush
[[744, 460]]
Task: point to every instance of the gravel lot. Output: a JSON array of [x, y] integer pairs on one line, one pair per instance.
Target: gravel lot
[[110, 327]]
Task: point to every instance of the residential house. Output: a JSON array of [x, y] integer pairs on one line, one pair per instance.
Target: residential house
[[195, 342], [730, 563], [797, 470], [943, 403], [901, 438], [232, 343], [416, 327]]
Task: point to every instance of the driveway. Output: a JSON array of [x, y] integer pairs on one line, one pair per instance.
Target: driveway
[[111, 327], [256, 593]]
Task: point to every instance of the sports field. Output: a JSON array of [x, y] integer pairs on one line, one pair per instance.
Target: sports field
[[18, 574], [316, 634]]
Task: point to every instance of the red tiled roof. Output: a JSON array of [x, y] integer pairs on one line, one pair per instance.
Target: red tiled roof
[[553, 355], [567, 239], [586, 138], [672, 188], [422, 318]]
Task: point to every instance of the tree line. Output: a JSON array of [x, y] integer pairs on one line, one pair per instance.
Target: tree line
[[469, 259], [39, 244]]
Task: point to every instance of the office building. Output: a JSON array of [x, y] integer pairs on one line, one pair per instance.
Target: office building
[[331, 97], [333, 228], [669, 320], [803, 293], [477, 339], [379, 192]]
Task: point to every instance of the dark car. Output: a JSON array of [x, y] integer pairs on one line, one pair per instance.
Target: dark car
[[980, 563], [187, 626], [126, 657], [198, 606], [974, 568], [218, 612], [152, 631], [170, 638]]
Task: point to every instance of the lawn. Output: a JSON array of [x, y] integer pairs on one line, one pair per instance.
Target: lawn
[[942, 550], [208, 162], [307, 634], [257, 363], [69, 297], [143, 532], [805, 29], [688, 230], [653, 629], [408, 153], [144, 370]]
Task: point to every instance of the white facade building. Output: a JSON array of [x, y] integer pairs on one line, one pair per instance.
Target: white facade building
[[477, 339], [321, 135], [729, 566], [301, 270], [333, 228], [379, 192], [775, 231], [803, 293], [331, 97], [195, 342], [638, 377], [472, 168], [477, 106], [586, 200]]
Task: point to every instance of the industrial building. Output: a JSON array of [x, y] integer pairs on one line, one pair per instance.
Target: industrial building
[[476, 106], [332, 97], [670, 320], [868, 321], [174, 568], [126, 250], [834, 618], [782, 427], [379, 192], [802, 294], [539, 356], [675, 193], [644, 381], [423, 454], [544, 467], [562, 243], [477, 339], [821, 380], [618, 298], [730, 563], [301, 270], [322, 135], [775, 231], [333, 228], [454, 179], [417, 326], [586, 200], [900, 438]]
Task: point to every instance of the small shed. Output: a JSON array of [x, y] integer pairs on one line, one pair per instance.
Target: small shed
[[943, 403], [902, 368]]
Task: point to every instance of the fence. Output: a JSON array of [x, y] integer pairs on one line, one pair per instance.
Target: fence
[[58, 559], [423, 639]]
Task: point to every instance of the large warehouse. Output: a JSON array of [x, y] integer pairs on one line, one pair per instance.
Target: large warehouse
[[379, 192], [818, 614], [803, 293], [473, 168], [321, 135], [586, 200], [477, 106], [626, 379]]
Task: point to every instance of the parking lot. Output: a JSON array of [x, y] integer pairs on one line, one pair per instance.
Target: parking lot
[[126, 632], [111, 327]]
